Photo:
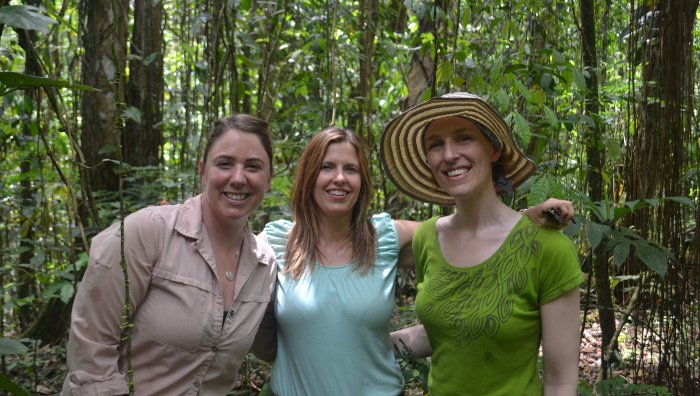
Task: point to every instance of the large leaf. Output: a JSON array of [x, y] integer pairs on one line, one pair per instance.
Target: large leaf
[[11, 347], [682, 200], [596, 232], [11, 387], [13, 80], [620, 253], [654, 257], [522, 128], [25, 17]]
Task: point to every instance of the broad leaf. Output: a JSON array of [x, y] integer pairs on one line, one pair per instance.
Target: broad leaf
[[25, 17], [620, 253], [14, 80], [133, 114], [551, 117], [11, 387], [522, 128], [654, 257], [596, 232], [682, 200], [11, 347]]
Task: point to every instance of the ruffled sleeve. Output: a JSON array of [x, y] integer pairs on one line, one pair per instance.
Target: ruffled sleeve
[[276, 234], [387, 240]]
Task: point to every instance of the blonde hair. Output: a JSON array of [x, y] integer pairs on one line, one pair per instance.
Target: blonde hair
[[303, 237]]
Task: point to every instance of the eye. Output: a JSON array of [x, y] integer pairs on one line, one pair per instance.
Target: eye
[[223, 164], [254, 166], [434, 144], [463, 138], [352, 169], [326, 166]]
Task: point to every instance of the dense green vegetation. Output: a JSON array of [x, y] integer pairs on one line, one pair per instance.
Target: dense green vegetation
[[104, 108]]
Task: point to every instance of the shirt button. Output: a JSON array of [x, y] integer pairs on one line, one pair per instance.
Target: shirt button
[[214, 348]]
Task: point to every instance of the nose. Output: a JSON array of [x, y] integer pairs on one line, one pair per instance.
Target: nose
[[450, 151], [339, 177], [238, 176]]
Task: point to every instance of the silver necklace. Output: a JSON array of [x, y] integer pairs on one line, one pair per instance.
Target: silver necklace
[[229, 273]]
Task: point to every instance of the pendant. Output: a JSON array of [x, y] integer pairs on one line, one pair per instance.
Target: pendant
[[229, 275]]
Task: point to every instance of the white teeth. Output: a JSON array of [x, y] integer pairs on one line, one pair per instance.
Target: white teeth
[[238, 197], [338, 193], [457, 172]]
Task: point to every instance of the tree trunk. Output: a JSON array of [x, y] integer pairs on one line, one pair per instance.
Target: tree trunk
[[104, 39], [595, 161], [661, 143], [142, 140]]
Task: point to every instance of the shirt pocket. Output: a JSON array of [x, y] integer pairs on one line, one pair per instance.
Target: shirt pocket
[[175, 310]]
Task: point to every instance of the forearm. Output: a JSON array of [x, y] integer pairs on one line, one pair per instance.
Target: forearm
[[265, 343], [412, 341], [560, 344], [560, 389]]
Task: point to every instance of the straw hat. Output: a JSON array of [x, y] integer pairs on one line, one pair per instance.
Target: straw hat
[[403, 149]]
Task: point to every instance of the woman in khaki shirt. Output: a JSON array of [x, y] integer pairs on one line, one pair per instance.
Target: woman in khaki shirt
[[200, 281]]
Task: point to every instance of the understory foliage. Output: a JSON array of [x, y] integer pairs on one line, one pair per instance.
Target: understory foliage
[[101, 116]]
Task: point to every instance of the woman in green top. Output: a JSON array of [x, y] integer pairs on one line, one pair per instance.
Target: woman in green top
[[486, 312]]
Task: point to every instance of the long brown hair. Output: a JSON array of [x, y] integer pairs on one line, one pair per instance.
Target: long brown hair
[[303, 236]]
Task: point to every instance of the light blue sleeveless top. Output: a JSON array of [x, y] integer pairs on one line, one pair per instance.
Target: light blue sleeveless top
[[333, 324]]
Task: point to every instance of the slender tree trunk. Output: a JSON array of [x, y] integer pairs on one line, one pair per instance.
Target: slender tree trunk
[[595, 161], [26, 271]]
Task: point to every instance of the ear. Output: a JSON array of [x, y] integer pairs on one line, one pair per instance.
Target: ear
[[201, 171], [496, 155]]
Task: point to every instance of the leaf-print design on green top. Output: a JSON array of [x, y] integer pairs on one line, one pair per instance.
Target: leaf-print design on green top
[[477, 302]]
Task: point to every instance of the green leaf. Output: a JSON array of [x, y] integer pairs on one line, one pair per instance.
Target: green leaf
[[620, 253], [654, 257], [25, 17], [11, 347], [523, 90], [654, 202], [551, 117], [67, 291], [579, 78], [546, 80], [14, 80], [538, 192], [8, 385], [596, 232], [522, 128], [683, 201], [133, 114]]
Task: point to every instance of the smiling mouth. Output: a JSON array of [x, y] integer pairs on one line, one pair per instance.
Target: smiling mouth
[[457, 172], [337, 193], [236, 196]]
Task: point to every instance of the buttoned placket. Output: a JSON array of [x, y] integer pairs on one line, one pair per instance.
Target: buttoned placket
[[216, 328]]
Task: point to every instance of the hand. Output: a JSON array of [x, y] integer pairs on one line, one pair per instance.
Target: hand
[[555, 213]]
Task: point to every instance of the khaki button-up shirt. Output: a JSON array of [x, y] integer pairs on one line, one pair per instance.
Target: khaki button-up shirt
[[181, 344]]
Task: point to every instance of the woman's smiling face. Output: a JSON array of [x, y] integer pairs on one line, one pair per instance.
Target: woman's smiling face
[[338, 182], [236, 175], [459, 155]]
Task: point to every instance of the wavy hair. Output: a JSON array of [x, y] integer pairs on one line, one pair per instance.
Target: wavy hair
[[303, 237]]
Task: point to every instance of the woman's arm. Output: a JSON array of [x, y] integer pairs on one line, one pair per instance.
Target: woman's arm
[[538, 214], [411, 342], [560, 344], [406, 229], [98, 309]]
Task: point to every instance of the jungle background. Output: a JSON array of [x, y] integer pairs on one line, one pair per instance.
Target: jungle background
[[105, 103]]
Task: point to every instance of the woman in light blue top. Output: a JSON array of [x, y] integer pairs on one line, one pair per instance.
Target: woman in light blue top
[[337, 269]]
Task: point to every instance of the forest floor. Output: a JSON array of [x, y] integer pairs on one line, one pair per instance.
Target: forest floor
[[41, 371]]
